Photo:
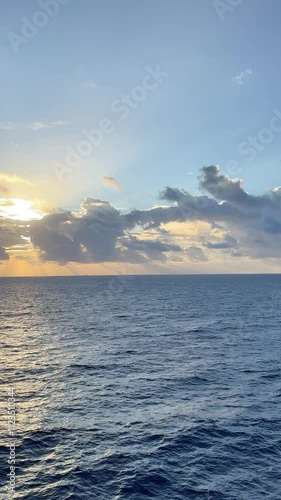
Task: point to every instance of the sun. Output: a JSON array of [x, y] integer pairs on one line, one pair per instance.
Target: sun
[[18, 209]]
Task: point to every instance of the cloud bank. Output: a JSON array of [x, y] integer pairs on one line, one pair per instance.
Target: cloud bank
[[237, 225]]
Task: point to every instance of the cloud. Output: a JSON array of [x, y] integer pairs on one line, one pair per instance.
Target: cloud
[[32, 125], [86, 236], [112, 183], [3, 254], [90, 84], [243, 77], [222, 244], [12, 233], [254, 221], [225, 189], [154, 250], [12, 184], [196, 254], [96, 233], [13, 179], [6, 203], [230, 222]]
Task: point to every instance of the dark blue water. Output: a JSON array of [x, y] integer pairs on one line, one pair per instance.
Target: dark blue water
[[146, 387]]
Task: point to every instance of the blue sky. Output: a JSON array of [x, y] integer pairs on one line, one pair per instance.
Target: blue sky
[[197, 117], [222, 86]]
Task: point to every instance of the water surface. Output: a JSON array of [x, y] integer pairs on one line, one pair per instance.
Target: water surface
[[164, 387]]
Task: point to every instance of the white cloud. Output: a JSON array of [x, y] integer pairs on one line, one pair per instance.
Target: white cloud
[[243, 77], [32, 125]]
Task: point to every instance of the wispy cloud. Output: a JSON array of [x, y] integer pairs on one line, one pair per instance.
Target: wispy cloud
[[90, 84], [13, 184], [243, 77], [13, 179], [32, 125], [112, 183]]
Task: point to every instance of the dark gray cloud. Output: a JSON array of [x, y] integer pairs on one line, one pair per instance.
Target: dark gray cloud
[[254, 221], [225, 244], [3, 254], [151, 245], [86, 236], [97, 233], [155, 250], [225, 189], [12, 232], [232, 191], [196, 254]]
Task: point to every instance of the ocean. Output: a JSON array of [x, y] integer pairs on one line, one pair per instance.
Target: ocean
[[148, 387]]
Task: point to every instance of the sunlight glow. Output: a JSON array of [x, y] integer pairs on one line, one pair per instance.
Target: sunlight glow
[[18, 209]]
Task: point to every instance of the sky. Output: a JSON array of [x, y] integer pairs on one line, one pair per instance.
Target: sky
[[140, 138]]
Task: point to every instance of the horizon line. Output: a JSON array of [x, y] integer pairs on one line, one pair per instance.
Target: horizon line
[[136, 275]]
